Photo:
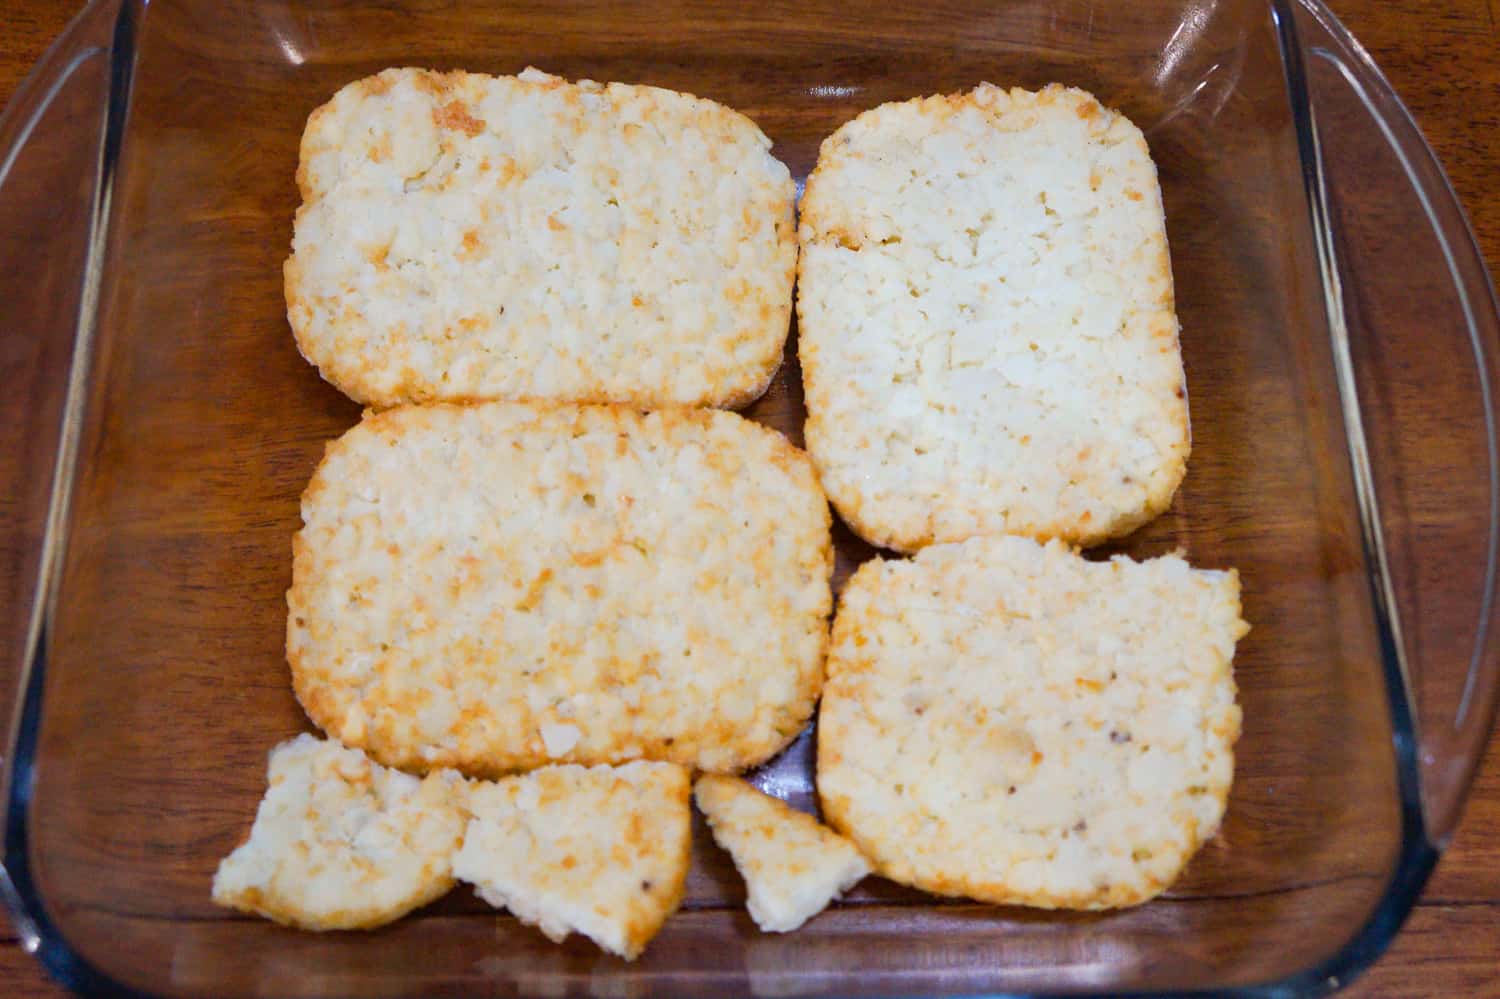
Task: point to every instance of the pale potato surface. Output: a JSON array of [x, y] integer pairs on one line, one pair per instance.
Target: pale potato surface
[[466, 237], [502, 586], [986, 321], [792, 864], [601, 851], [1010, 722], [341, 842]]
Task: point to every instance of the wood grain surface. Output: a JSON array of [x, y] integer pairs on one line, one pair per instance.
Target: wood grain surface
[[1444, 59]]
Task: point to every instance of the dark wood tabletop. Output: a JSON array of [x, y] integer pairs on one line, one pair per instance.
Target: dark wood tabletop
[[1444, 60]]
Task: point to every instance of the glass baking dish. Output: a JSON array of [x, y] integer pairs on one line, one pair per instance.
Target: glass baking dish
[[1340, 338]]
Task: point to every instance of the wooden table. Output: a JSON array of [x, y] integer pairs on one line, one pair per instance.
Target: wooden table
[[1444, 59]]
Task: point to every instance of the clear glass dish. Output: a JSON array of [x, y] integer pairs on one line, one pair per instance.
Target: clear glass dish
[[1340, 337]]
